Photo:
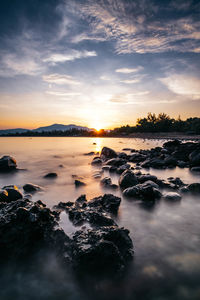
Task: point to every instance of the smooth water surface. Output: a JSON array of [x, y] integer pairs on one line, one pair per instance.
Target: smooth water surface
[[166, 236]]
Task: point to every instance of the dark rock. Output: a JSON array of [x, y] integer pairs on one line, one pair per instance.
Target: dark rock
[[7, 163], [172, 196], [96, 161], [11, 193], [170, 161], [108, 202], [127, 179], [181, 164], [123, 155], [107, 153], [144, 191], [31, 188], [171, 144], [106, 181], [105, 249], [177, 181], [137, 157], [26, 227], [79, 183], [51, 175], [123, 168], [194, 188], [116, 162], [89, 153], [194, 158], [195, 169], [146, 177]]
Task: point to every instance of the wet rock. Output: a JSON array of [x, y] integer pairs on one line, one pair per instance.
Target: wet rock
[[146, 177], [107, 153], [144, 191], [51, 175], [106, 182], [108, 202], [123, 168], [96, 161], [137, 157], [172, 196], [181, 164], [170, 161], [89, 153], [194, 188], [194, 157], [127, 179], [171, 144], [10, 193], [116, 162], [195, 169], [123, 155], [176, 181], [105, 249], [26, 227], [31, 188], [79, 183], [7, 163], [183, 190]]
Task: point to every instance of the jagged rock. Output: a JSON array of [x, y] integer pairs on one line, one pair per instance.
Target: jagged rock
[[107, 153], [51, 175], [108, 202], [105, 249], [172, 196], [31, 188], [144, 191], [7, 163], [127, 179], [106, 182], [176, 181], [26, 227], [10, 193]]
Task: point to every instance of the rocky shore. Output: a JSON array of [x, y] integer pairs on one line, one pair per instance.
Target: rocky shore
[[98, 243]]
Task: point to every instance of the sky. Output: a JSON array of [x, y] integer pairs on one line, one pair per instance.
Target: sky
[[98, 63]]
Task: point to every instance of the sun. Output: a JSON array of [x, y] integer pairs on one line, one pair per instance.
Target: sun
[[97, 127]]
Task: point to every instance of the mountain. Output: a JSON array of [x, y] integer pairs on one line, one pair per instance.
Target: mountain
[[53, 127], [60, 127], [13, 131]]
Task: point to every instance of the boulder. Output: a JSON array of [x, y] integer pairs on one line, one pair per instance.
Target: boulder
[[127, 179], [31, 188], [106, 182], [108, 202], [51, 175], [7, 163], [107, 153], [172, 196], [96, 161], [105, 249], [146, 177], [79, 183], [195, 169], [194, 158], [10, 193], [116, 162], [144, 191]]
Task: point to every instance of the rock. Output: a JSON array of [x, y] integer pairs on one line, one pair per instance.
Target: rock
[[194, 188], [195, 169], [107, 153], [96, 161], [172, 196], [170, 161], [146, 177], [26, 227], [127, 179], [171, 144], [183, 190], [116, 162], [10, 193], [181, 164], [176, 181], [144, 191], [106, 182], [31, 188], [89, 153], [105, 249], [7, 163], [194, 158], [137, 157], [123, 168], [51, 175], [108, 202], [79, 183]]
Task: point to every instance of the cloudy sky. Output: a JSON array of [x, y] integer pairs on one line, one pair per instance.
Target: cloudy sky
[[99, 63]]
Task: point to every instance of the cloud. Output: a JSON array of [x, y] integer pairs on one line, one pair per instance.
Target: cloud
[[183, 85], [129, 98], [70, 56], [130, 81], [63, 94], [60, 79], [86, 37], [13, 65], [105, 77], [129, 70]]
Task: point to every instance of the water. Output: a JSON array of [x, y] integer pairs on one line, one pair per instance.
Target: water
[[166, 236]]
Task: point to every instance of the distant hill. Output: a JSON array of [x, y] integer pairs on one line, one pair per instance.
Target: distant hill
[[60, 127], [53, 127], [13, 131]]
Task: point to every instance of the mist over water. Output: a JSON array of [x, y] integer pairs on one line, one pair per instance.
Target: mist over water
[[166, 236]]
